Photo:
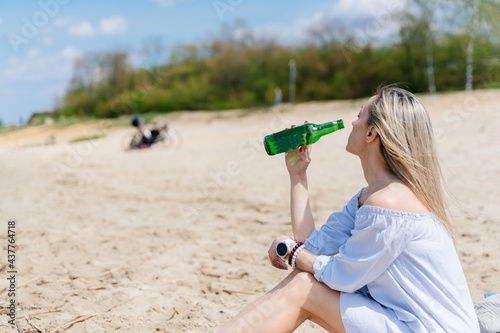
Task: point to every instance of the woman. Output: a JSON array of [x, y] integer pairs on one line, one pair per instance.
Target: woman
[[387, 262]]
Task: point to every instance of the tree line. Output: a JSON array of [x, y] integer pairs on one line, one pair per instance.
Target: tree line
[[244, 71]]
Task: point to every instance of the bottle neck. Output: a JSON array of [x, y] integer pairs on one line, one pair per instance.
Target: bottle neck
[[326, 128]]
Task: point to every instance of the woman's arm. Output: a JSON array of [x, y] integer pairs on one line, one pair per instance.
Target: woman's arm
[[302, 219], [300, 210]]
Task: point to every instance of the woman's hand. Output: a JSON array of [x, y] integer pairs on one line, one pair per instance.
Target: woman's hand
[[276, 260], [298, 160]]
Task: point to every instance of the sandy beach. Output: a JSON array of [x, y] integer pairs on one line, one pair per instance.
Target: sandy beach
[[176, 239]]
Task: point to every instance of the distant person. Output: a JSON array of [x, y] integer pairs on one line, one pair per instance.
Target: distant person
[[145, 134], [387, 261], [278, 96]]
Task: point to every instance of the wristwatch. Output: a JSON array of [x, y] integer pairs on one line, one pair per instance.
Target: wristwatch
[[283, 248]]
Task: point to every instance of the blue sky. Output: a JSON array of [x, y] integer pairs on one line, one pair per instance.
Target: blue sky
[[40, 40]]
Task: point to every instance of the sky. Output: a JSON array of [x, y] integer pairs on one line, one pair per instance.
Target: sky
[[40, 40]]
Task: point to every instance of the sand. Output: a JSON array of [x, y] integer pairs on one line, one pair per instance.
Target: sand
[[176, 239]]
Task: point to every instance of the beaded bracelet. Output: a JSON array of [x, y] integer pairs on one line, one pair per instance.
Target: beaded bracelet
[[299, 244], [295, 254]]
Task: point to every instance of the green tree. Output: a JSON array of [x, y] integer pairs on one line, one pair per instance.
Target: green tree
[[476, 19], [238, 70], [423, 20]]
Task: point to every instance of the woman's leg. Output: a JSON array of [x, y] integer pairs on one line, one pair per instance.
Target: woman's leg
[[299, 297]]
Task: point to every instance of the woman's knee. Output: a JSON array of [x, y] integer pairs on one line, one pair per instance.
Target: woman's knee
[[302, 283]]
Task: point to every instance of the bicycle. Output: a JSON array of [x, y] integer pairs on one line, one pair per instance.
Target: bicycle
[[161, 137]]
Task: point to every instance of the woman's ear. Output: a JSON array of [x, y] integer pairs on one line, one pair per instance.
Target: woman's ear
[[371, 134]]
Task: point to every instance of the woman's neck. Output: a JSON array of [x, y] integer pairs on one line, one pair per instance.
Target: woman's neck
[[376, 171]]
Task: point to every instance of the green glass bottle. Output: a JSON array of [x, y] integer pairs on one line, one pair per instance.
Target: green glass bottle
[[303, 135]]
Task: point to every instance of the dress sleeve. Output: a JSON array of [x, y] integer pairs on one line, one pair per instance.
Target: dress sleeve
[[376, 241], [335, 231]]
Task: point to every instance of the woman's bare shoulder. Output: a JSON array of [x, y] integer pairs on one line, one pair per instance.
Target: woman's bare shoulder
[[398, 197]]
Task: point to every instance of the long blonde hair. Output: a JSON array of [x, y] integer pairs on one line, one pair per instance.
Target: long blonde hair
[[407, 144]]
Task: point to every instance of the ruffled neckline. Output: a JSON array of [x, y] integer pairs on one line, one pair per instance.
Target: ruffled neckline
[[388, 211]]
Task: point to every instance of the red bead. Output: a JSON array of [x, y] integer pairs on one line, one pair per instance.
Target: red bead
[[293, 251]]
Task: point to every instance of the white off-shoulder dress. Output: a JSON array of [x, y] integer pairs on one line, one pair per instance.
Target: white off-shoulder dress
[[397, 271]]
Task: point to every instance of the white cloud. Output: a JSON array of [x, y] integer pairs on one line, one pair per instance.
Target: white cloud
[[33, 53], [37, 66], [168, 3], [368, 10], [14, 69], [113, 25], [107, 26], [366, 20], [351, 9], [289, 35], [82, 29], [47, 41], [71, 53], [165, 3]]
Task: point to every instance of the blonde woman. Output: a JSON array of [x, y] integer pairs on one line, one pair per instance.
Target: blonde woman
[[387, 261]]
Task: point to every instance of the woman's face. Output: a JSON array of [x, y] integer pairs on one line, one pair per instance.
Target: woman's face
[[357, 139]]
